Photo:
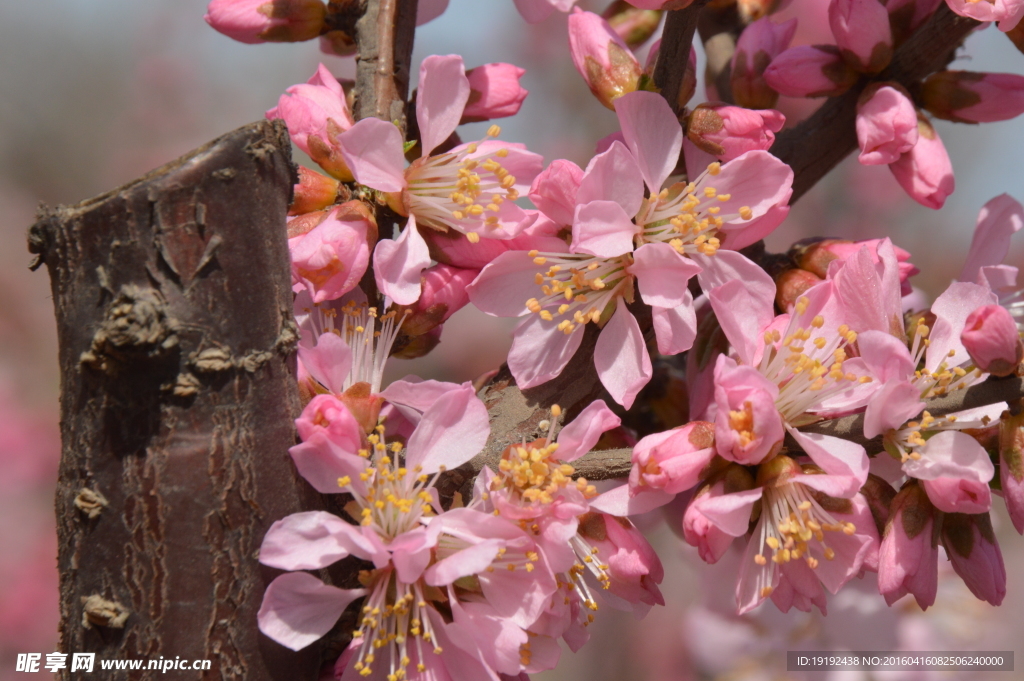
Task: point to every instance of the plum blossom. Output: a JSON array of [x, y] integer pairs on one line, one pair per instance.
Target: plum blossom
[[618, 237]]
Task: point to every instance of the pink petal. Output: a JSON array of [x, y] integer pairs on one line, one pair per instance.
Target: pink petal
[[321, 462], [613, 176], [998, 220], [725, 266], [417, 395], [601, 228], [540, 351], [743, 318], [373, 151], [504, 286], [744, 234], [891, 407], [675, 327], [298, 609], [951, 454], [554, 190], [662, 274], [534, 11], [451, 432], [469, 561], [411, 552], [730, 512], [580, 436], [441, 97], [329, 362], [951, 311], [621, 358], [652, 133], [428, 10], [398, 264], [755, 179], [845, 463], [618, 502], [310, 541]]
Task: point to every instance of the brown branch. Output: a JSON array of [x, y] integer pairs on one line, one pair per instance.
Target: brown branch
[[384, 39], [174, 318], [720, 28], [674, 53], [818, 144]]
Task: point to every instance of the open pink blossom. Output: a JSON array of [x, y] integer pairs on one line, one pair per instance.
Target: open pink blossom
[[886, 125], [925, 172], [955, 471], [673, 460], [316, 112]]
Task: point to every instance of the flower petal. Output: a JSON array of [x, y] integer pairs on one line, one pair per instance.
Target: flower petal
[[652, 132], [601, 228], [540, 351], [580, 436], [503, 287], [329, 362], [312, 540], [398, 264], [451, 432], [613, 176], [675, 327], [998, 220], [662, 274], [845, 463], [298, 609], [618, 502], [441, 97], [621, 358], [373, 151], [730, 512]]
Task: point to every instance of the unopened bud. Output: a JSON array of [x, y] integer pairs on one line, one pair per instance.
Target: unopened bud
[[969, 97], [886, 123], [810, 71], [990, 336], [634, 25], [729, 131], [313, 192], [925, 172], [757, 46], [973, 551], [494, 92], [791, 284], [861, 29], [443, 293], [258, 21], [601, 57]]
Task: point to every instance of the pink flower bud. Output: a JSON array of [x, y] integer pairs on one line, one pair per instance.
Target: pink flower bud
[[729, 131], [958, 495], [886, 124], [313, 192], [810, 71], [861, 29], [330, 259], [974, 552], [990, 336], [316, 113], [1011, 466], [672, 461], [816, 256], [791, 284], [634, 25], [905, 16], [908, 557], [757, 46], [1007, 12], [968, 97], [633, 566], [444, 292], [925, 172], [494, 92], [601, 57], [257, 21]]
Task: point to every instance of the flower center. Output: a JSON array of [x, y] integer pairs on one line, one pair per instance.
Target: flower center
[[579, 288]]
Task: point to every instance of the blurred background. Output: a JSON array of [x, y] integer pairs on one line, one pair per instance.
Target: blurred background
[[97, 92]]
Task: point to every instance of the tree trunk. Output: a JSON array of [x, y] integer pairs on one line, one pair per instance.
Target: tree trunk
[[174, 315]]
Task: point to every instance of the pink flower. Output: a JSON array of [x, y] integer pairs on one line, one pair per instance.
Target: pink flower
[[730, 131], [257, 21], [316, 113], [861, 29], [991, 337], [601, 57], [329, 260], [908, 557], [710, 539], [969, 97], [1007, 12], [817, 257], [758, 45], [633, 568], [886, 124], [748, 427], [925, 172], [974, 552], [999, 219], [444, 294], [674, 460], [810, 71], [432, 189], [494, 92]]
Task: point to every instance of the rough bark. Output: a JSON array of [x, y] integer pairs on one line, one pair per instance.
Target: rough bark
[[384, 39], [173, 305]]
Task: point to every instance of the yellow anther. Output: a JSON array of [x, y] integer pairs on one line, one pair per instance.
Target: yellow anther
[[494, 131]]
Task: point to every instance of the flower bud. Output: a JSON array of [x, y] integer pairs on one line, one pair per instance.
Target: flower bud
[[711, 541], [757, 46], [990, 336], [331, 258], [1007, 12], [316, 113], [861, 29], [635, 26], [974, 553], [908, 557], [674, 460], [601, 57], [444, 292], [925, 172], [886, 124], [815, 255], [791, 284], [494, 92], [905, 16], [729, 131], [1011, 466], [257, 21], [313, 192], [969, 97], [810, 71]]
